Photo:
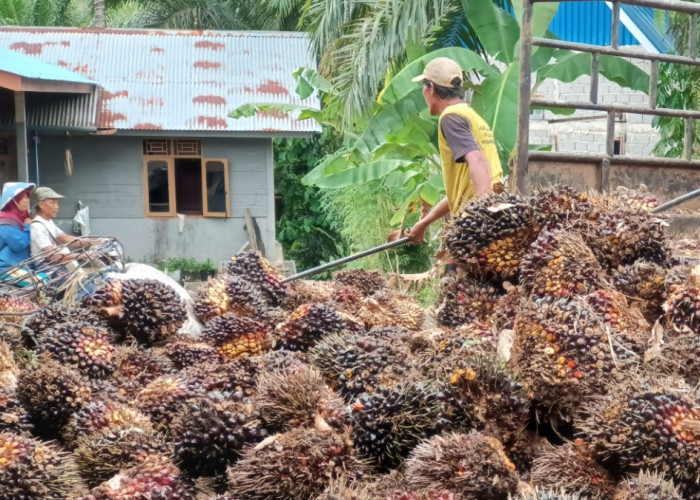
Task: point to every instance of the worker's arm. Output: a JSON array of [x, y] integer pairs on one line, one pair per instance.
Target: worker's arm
[[480, 173], [417, 232]]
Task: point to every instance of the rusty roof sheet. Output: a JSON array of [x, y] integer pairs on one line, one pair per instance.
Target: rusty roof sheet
[[175, 79], [27, 67]]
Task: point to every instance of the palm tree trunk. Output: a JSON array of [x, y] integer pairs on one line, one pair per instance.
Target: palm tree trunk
[[99, 10]]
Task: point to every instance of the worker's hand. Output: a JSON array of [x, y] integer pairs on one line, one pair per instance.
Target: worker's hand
[[416, 233]]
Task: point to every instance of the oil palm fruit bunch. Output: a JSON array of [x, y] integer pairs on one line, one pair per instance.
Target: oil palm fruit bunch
[[644, 283], [228, 294], [506, 308], [682, 307], [296, 464], [470, 465], [572, 467], [540, 494], [155, 478], [163, 398], [366, 282], [347, 299], [560, 265], [389, 423], [235, 337], [624, 236], [52, 316], [639, 199], [558, 205], [642, 425], [309, 323], [463, 300], [253, 268], [301, 292], [490, 236], [614, 312], [151, 311], [363, 364], [647, 485], [8, 368], [496, 401], [298, 397], [15, 309], [136, 367], [51, 392], [103, 454], [82, 345], [568, 359], [383, 309], [679, 356], [13, 416], [104, 415], [209, 434], [185, 351], [236, 379], [32, 469]]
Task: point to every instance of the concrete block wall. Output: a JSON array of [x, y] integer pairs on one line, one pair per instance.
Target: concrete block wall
[[585, 131]]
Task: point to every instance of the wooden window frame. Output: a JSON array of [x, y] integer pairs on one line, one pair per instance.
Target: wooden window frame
[[172, 201], [205, 198]]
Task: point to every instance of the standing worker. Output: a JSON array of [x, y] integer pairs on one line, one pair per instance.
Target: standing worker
[[470, 163]]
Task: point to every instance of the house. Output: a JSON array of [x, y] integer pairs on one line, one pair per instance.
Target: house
[[134, 124], [589, 22]]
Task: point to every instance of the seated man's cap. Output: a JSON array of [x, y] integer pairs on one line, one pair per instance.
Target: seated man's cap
[[441, 71], [44, 193]]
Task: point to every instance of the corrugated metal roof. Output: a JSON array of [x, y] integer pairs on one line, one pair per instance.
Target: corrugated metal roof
[[28, 67], [177, 80]]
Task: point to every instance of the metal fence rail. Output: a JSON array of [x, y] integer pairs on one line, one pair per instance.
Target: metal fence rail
[[526, 102]]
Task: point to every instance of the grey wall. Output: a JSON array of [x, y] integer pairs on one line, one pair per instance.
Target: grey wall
[[108, 177]]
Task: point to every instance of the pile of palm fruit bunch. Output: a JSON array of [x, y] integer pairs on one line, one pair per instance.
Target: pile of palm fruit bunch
[[560, 361]]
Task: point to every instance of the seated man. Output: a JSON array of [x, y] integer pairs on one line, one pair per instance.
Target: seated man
[[45, 234]]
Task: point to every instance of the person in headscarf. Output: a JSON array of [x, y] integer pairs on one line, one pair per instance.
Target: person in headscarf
[[14, 223]]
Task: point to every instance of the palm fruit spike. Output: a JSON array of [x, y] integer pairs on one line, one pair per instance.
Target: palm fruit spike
[[16, 309], [156, 478], [298, 397], [647, 485], [81, 345], [470, 465], [539, 494], [163, 397], [642, 425], [50, 393], [236, 380], [355, 365], [382, 309], [366, 282], [557, 205], [32, 469], [572, 468], [104, 415], [136, 367], [567, 359], [252, 267], [293, 465], [643, 283], [186, 352], [490, 236], [560, 265], [624, 236], [683, 304], [208, 435], [103, 454], [463, 300], [679, 356], [389, 423], [234, 337], [612, 309], [8, 368], [13, 416], [151, 311], [309, 323]]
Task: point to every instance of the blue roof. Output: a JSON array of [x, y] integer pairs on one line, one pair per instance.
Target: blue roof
[[590, 22], [29, 67]]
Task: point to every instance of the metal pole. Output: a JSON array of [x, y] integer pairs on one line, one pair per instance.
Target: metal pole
[[349, 258], [676, 201]]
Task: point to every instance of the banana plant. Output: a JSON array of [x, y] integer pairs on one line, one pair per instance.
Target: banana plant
[[398, 144]]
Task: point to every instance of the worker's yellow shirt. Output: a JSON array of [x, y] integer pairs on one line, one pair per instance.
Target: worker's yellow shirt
[[458, 182]]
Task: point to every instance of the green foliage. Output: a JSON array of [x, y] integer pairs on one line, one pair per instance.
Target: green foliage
[[186, 265], [306, 232], [45, 12]]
